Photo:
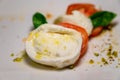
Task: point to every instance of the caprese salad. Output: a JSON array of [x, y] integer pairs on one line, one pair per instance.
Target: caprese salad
[[62, 43]]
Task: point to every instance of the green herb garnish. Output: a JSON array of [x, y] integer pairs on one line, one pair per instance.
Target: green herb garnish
[[38, 19], [12, 54], [115, 54], [96, 54], [104, 61], [91, 61], [102, 18]]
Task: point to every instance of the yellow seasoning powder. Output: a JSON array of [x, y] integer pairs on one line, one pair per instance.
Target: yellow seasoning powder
[[18, 59]]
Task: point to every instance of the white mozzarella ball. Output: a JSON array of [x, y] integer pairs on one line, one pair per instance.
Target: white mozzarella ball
[[77, 18], [54, 45]]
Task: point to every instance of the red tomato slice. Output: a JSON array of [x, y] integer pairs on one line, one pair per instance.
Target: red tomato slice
[[83, 33], [86, 8], [96, 31]]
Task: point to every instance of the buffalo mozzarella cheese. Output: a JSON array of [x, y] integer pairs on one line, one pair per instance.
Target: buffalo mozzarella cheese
[[77, 18], [54, 45]]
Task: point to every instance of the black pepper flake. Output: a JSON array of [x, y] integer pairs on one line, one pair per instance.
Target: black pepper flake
[[111, 59]]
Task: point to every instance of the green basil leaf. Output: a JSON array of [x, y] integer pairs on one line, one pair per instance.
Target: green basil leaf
[[38, 19], [102, 18]]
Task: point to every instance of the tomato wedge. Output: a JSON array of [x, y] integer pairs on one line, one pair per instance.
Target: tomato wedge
[[84, 37], [86, 8], [96, 31]]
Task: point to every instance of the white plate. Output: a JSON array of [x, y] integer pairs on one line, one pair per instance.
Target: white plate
[[16, 23]]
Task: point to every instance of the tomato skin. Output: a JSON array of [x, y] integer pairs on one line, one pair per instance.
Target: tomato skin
[[96, 31], [83, 33], [84, 37], [86, 8]]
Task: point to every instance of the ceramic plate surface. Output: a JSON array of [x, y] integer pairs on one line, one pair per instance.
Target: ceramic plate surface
[[16, 24]]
